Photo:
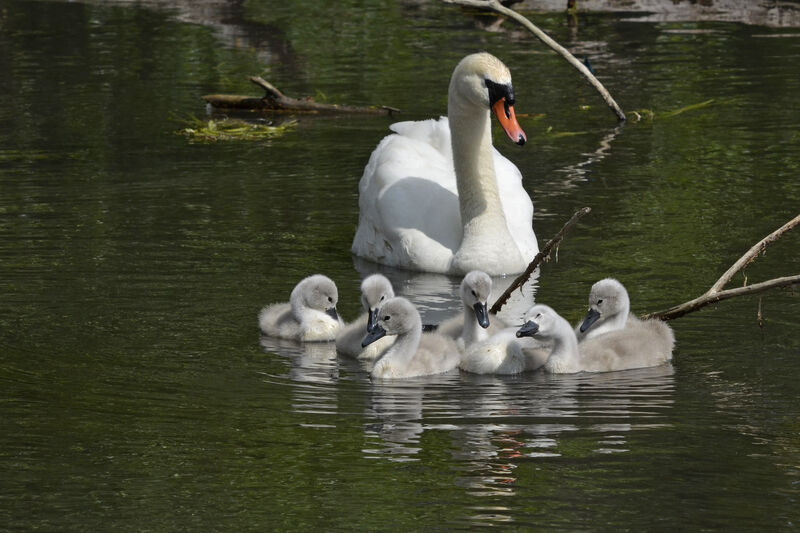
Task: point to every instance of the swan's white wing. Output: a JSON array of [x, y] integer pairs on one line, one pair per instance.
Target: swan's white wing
[[408, 205]]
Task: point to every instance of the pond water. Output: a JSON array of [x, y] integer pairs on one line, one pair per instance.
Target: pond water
[[137, 394]]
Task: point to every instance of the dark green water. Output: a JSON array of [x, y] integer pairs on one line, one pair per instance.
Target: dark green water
[[137, 395]]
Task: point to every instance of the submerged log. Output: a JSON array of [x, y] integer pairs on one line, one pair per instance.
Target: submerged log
[[275, 100]]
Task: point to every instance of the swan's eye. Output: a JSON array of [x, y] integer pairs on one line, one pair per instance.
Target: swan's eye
[[383, 297], [330, 299], [386, 318], [599, 302], [475, 295]]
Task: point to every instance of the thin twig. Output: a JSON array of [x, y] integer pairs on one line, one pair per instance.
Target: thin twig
[[497, 7], [716, 294], [711, 298], [753, 253], [543, 254]]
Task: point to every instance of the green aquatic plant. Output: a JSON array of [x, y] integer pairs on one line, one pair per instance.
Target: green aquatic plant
[[227, 129], [648, 114]]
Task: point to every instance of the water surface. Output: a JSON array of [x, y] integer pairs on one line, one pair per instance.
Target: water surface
[[137, 394]]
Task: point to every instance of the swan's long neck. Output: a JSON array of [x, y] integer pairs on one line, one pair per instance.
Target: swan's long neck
[[485, 227], [565, 356], [471, 138]]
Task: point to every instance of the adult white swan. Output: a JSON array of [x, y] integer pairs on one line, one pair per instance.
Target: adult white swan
[[436, 196]]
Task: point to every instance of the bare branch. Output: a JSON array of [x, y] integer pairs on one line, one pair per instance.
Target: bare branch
[[753, 253], [271, 90], [716, 294], [710, 298], [543, 254], [497, 7]]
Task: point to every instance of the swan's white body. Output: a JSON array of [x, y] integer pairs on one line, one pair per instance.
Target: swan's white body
[[643, 344], [436, 196], [504, 353], [473, 324], [310, 314], [413, 353], [375, 290]]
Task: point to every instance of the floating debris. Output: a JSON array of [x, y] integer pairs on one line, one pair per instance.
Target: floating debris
[[234, 130]]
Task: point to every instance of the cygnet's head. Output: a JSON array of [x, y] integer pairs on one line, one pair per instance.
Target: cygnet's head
[[607, 300], [375, 290], [317, 292], [395, 317], [475, 289], [484, 81], [541, 321]]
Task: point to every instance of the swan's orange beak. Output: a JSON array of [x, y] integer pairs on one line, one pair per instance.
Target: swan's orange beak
[[507, 118]]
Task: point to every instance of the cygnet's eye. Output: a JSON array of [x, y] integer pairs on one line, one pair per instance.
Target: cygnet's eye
[[599, 301], [475, 295], [538, 315], [383, 297], [386, 318], [330, 299]]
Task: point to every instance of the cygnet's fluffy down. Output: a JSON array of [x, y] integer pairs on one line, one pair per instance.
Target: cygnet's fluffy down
[[649, 343], [413, 353], [474, 324], [504, 353], [310, 314], [375, 290]]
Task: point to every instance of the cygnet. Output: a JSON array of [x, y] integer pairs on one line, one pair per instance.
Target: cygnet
[[375, 290], [648, 343], [474, 324], [413, 353], [310, 314]]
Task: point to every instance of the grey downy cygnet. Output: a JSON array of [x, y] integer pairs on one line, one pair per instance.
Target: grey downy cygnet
[[310, 314], [413, 353], [644, 344], [375, 290]]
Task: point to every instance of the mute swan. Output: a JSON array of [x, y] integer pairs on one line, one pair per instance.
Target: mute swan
[[413, 353], [310, 314], [644, 344], [436, 196], [473, 324], [609, 310], [375, 289], [504, 353]]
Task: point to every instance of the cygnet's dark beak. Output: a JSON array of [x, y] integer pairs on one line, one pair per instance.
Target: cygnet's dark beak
[[372, 319], [331, 312], [376, 333], [591, 318], [482, 314], [528, 329]]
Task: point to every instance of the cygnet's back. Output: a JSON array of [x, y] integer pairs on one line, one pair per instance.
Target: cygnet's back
[[504, 353], [375, 290], [640, 344], [413, 353], [310, 314]]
